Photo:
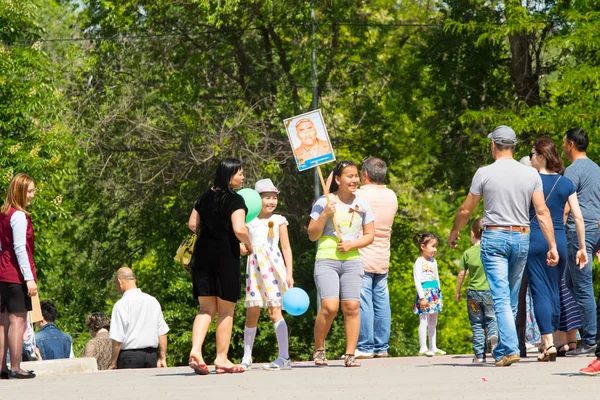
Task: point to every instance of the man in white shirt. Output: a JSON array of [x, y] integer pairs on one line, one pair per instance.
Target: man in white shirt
[[138, 329]]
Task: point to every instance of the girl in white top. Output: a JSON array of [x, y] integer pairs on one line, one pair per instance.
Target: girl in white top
[[268, 275], [428, 302]]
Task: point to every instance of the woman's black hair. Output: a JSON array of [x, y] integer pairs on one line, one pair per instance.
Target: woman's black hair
[[424, 238], [226, 169], [339, 168]]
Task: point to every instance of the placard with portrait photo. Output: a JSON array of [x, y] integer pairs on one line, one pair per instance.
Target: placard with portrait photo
[[309, 140]]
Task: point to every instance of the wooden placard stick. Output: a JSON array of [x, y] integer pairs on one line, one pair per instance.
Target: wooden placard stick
[[326, 191]]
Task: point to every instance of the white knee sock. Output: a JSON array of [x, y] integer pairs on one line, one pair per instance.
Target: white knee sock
[[249, 335], [281, 330], [423, 333], [431, 328]]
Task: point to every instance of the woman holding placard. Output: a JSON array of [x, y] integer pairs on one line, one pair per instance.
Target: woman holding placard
[[338, 267], [219, 217]]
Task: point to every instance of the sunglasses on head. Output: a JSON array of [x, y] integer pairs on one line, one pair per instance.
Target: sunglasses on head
[[344, 164]]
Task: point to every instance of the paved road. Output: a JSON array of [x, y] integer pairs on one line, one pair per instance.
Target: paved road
[[444, 377]]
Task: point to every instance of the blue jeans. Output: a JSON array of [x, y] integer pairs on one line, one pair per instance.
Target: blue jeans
[[579, 282], [504, 254], [482, 315], [375, 314]]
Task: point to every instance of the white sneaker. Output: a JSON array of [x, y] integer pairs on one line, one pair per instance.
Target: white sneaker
[[429, 353], [530, 348], [246, 363], [361, 355], [278, 364], [423, 352], [439, 352]]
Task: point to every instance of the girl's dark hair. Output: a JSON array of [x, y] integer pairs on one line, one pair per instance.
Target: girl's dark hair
[[226, 169], [544, 146], [424, 238], [339, 169], [477, 228]]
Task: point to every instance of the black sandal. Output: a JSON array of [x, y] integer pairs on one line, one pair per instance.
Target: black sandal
[[319, 358], [562, 352], [547, 356], [350, 361]]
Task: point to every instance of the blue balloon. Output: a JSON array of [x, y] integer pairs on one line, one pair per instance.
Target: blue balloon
[[295, 301]]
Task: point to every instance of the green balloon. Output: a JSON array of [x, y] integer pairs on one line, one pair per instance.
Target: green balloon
[[253, 202]]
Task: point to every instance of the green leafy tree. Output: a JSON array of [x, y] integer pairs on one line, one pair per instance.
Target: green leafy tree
[[34, 137]]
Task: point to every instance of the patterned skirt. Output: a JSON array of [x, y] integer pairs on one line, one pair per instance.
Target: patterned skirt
[[265, 278], [434, 298]]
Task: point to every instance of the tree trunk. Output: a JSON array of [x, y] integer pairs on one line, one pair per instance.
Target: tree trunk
[[521, 71]]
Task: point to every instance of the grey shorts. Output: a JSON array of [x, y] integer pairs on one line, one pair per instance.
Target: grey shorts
[[339, 279]]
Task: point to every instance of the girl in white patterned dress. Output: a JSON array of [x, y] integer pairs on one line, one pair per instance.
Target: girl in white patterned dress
[[428, 302], [268, 275]]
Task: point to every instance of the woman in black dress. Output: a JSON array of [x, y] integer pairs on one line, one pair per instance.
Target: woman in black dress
[[219, 217]]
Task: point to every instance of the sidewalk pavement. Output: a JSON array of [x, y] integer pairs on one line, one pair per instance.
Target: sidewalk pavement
[[441, 377]]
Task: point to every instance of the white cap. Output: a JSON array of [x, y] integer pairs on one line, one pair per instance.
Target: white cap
[[265, 185]]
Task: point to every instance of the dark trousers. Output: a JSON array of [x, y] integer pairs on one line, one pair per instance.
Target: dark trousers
[[594, 251], [137, 358]]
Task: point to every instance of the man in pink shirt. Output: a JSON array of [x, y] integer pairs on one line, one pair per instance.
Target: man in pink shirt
[[375, 313]]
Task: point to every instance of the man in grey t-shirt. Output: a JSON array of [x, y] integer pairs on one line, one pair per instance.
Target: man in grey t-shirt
[[585, 175], [508, 189]]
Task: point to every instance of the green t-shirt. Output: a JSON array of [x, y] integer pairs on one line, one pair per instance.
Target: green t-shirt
[[471, 260]]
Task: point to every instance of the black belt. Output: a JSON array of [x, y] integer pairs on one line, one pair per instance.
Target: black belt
[[145, 350]]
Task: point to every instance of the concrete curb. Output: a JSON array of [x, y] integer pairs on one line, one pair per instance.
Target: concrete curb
[[61, 367]]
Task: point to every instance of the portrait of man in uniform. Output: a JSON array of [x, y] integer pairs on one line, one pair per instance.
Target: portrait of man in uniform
[[309, 140]]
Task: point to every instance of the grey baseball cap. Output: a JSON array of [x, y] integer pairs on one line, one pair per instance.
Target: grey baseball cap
[[503, 135]]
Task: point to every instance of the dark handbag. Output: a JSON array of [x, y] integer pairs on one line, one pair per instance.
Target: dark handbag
[[185, 252]]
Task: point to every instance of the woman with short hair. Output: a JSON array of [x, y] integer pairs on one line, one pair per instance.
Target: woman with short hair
[[100, 346]]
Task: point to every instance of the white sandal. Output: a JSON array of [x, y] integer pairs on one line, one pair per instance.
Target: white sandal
[[246, 364], [278, 364]]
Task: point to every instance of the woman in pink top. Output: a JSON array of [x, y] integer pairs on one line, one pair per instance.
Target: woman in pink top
[[17, 273]]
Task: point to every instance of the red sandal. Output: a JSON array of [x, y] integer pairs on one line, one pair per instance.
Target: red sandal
[[199, 369], [236, 369]]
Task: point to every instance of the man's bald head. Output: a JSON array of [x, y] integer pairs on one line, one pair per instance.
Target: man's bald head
[[125, 279], [125, 273]]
